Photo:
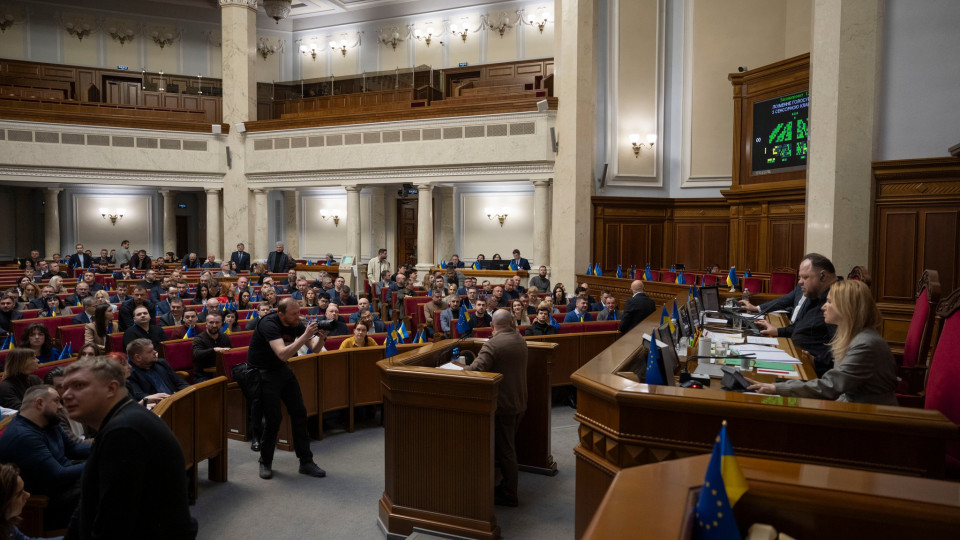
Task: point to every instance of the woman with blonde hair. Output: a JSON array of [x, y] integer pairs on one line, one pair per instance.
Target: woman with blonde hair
[[30, 292], [519, 313], [57, 283], [863, 367]]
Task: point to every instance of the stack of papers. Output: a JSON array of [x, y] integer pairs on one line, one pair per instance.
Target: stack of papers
[[451, 365], [762, 340]]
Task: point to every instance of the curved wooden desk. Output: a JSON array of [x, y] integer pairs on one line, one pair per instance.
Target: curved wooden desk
[[438, 439], [625, 424]]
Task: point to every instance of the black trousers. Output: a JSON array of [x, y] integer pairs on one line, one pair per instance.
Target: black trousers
[[280, 386], [505, 452]]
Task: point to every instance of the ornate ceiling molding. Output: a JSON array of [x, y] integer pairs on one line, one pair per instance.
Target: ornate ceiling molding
[[109, 176], [392, 175]]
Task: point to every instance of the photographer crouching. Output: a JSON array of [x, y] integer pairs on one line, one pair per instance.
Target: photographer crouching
[[276, 339]]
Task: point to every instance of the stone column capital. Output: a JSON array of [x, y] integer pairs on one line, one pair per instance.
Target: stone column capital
[[543, 183], [249, 4], [211, 191], [353, 189], [54, 190], [258, 191], [426, 186]]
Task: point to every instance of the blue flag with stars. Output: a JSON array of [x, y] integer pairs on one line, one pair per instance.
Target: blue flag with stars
[[390, 349], [589, 269], [619, 272], [647, 274], [596, 270], [463, 323], [654, 359], [722, 488]]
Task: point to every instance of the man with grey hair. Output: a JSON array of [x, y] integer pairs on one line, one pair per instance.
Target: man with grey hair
[[279, 262], [133, 484], [89, 308], [637, 308], [506, 353]]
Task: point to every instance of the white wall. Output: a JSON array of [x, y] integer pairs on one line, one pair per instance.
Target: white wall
[[920, 85], [81, 221], [482, 235]]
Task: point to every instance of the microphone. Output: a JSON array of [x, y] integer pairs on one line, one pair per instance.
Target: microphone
[[456, 347]]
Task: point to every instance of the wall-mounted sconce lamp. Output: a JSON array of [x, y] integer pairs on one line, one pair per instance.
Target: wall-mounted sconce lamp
[[457, 32], [311, 50], [114, 217], [265, 48], [78, 31], [426, 38], [163, 39], [500, 215], [342, 46], [6, 21], [122, 36], [637, 145], [334, 215]]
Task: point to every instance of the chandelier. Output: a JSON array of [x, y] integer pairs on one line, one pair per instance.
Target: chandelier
[[277, 9]]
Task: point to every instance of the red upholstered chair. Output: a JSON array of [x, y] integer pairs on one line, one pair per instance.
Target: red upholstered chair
[[667, 276], [333, 343], [52, 323], [346, 311], [559, 316], [944, 373], [708, 279], [115, 342], [782, 282], [483, 332], [753, 284], [226, 360], [241, 339], [178, 353], [380, 338], [601, 326], [571, 328], [523, 329], [30, 313], [916, 347], [48, 367], [72, 334]]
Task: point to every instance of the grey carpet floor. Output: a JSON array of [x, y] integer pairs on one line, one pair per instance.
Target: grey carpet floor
[[344, 504]]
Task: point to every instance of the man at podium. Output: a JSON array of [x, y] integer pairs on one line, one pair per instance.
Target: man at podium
[[506, 353]]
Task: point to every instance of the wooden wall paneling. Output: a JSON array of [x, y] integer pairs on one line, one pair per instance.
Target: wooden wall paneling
[[716, 241], [939, 242], [212, 108], [612, 250], [669, 248], [85, 79], [150, 99], [896, 273], [170, 100], [189, 101], [689, 240]]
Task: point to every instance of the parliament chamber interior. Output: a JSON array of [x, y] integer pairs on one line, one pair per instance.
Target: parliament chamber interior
[[790, 156]]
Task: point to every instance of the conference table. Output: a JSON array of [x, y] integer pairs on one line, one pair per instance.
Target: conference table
[[624, 424]]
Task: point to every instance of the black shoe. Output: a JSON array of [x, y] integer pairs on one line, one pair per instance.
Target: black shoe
[[501, 500], [266, 471], [310, 468], [255, 445]]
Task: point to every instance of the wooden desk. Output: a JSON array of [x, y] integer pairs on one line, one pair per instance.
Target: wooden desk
[[625, 424], [492, 275], [439, 439], [659, 291], [804, 501]]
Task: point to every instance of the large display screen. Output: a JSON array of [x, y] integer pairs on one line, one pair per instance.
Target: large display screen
[[780, 133]]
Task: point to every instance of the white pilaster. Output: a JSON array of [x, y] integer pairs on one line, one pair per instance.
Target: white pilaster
[[425, 255], [291, 227], [260, 229], [169, 221], [51, 221], [541, 223], [213, 223], [353, 232]]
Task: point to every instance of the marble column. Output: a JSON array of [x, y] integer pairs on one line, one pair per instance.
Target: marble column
[[446, 243], [51, 221], [378, 221], [844, 70], [213, 223], [238, 20], [169, 221], [425, 255], [291, 225], [576, 75], [260, 248], [353, 231], [541, 224]]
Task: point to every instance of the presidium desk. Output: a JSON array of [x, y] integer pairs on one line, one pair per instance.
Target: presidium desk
[[438, 439], [626, 424]]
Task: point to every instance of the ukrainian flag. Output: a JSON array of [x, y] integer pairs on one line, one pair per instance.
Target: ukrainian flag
[[513, 265], [665, 317], [421, 337], [443, 265], [476, 265], [7, 343], [596, 270], [402, 332], [722, 488], [732, 277], [390, 349], [463, 323], [692, 293], [647, 274], [190, 333]]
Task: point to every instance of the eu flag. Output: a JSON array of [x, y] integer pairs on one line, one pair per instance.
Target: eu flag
[[665, 317], [596, 270], [732, 277], [463, 323], [589, 269], [443, 265], [722, 488], [747, 273], [654, 359], [390, 349], [619, 272], [647, 274]]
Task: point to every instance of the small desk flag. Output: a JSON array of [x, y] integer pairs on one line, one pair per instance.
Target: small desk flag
[[722, 488]]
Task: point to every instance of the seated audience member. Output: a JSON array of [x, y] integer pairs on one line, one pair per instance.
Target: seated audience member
[[13, 498], [516, 284], [525, 300], [90, 278], [30, 293], [323, 300], [359, 338], [586, 288], [40, 302], [330, 260], [96, 331], [300, 289], [149, 375], [85, 350], [230, 322], [289, 284], [243, 302], [498, 299], [54, 271], [258, 271], [206, 346], [140, 261], [173, 317], [81, 291], [337, 292], [481, 257], [510, 292], [104, 269], [374, 325], [103, 297], [333, 314], [125, 272], [212, 305], [602, 304], [454, 276], [262, 311], [450, 316], [37, 338], [33, 260], [384, 283], [522, 264], [120, 297], [451, 289], [190, 320], [225, 271], [519, 313], [481, 317], [540, 280], [74, 430], [541, 326], [809, 332], [125, 314], [143, 328], [362, 304], [436, 305], [497, 257], [89, 308], [577, 293], [202, 295], [54, 308], [17, 377], [56, 282], [268, 296], [864, 370], [8, 314], [163, 306], [638, 307], [192, 261], [579, 313], [216, 291], [346, 297], [50, 463], [473, 294], [610, 312]]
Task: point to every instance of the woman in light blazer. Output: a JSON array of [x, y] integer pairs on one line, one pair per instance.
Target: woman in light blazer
[[97, 330], [863, 367]]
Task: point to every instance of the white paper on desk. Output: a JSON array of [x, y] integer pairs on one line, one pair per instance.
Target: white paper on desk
[[720, 336], [779, 311], [714, 320], [762, 340], [451, 365]]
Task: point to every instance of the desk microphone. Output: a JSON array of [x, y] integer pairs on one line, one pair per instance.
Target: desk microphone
[[456, 347]]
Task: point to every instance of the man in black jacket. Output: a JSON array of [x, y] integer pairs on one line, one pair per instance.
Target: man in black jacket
[[207, 345], [125, 314], [241, 258], [133, 485], [143, 328], [278, 261], [541, 326], [638, 308], [150, 376]]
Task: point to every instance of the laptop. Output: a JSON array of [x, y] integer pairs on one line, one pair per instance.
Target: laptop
[[494, 265], [710, 296], [694, 315], [670, 361]]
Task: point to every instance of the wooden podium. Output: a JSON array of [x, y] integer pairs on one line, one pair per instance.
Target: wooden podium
[[438, 438]]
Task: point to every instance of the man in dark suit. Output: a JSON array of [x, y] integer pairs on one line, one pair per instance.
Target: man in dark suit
[[34, 260], [506, 353], [522, 264], [241, 258], [125, 314], [791, 302], [638, 308], [143, 327], [80, 259], [81, 291], [89, 308], [135, 451], [278, 261], [150, 375], [174, 317]]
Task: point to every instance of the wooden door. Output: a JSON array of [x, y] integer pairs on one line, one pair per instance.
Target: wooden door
[[182, 240], [406, 232]]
